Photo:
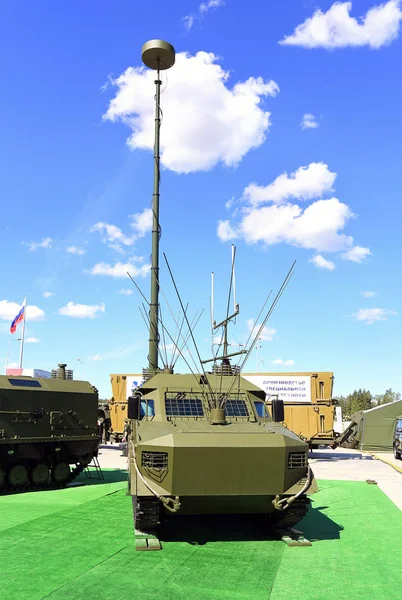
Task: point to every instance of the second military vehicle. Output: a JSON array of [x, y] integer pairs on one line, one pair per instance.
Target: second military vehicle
[[397, 443], [48, 431]]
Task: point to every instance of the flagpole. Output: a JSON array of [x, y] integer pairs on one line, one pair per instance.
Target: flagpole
[[23, 332]]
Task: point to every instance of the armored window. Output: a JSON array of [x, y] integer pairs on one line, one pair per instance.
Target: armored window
[[25, 382], [236, 408], [261, 410], [147, 408], [184, 407]]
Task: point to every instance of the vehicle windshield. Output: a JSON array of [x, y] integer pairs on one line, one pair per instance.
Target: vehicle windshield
[[147, 408], [261, 409]]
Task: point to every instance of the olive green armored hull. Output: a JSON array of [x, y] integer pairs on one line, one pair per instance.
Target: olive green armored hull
[[241, 466], [48, 431]]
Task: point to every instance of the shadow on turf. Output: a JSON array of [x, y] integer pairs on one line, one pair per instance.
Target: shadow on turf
[[109, 476], [202, 529]]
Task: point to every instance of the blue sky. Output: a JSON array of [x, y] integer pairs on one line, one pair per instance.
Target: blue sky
[[322, 113]]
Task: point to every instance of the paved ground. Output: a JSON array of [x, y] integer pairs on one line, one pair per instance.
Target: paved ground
[[353, 465], [389, 457], [340, 464], [110, 457]]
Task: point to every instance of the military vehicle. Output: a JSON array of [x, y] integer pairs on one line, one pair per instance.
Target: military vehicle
[[309, 406], [397, 445], [48, 431], [204, 443]]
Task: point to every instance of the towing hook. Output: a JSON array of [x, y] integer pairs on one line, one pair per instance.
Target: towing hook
[[174, 501]]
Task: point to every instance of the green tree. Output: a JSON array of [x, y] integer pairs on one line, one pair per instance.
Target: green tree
[[389, 396], [357, 400]]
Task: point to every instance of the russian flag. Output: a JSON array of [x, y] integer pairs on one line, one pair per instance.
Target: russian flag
[[20, 317]]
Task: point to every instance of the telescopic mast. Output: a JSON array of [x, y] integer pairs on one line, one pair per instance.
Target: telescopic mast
[[159, 56]]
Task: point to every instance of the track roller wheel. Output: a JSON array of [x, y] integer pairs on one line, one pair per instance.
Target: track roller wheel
[[145, 512], [60, 473], [18, 476], [40, 474]]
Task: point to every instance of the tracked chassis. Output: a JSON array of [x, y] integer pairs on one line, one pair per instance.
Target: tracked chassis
[[48, 432]]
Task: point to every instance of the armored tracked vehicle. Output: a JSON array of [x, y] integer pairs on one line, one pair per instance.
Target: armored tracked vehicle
[[188, 456], [205, 443], [48, 431]]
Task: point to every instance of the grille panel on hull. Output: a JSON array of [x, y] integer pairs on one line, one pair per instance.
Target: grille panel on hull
[[154, 460], [297, 460]]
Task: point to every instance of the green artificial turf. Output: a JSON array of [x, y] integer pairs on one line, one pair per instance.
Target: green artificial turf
[[78, 544]]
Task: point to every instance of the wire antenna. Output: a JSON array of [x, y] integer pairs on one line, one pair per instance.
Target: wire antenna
[[188, 325], [272, 307], [234, 277], [176, 337], [163, 327], [269, 313], [185, 314], [193, 326]]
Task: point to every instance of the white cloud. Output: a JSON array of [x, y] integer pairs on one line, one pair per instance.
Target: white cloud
[[81, 311], [189, 21], [142, 222], [126, 292], [267, 334], [308, 121], [32, 340], [305, 183], [48, 294], [204, 121], [322, 263], [226, 232], [371, 315], [75, 250], [45, 243], [96, 357], [279, 361], [120, 269], [13, 365], [206, 7], [368, 294], [356, 254], [9, 310], [317, 227], [337, 29], [203, 9], [229, 203], [113, 235]]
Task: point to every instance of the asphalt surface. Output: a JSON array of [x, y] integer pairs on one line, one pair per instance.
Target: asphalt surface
[[340, 464], [352, 465]]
